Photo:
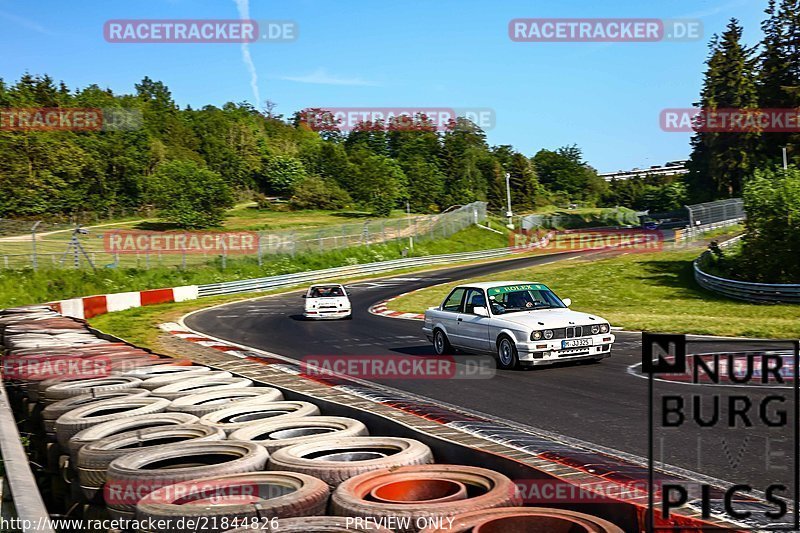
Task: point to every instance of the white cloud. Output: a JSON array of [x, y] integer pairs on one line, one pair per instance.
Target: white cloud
[[322, 77]]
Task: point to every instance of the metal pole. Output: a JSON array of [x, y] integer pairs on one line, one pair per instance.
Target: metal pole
[[33, 244], [410, 234], [509, 214], [785, 161]]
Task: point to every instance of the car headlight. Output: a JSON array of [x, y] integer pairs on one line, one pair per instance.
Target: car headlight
[[604, 328], [595, 329], [548, 334], [536, 335]]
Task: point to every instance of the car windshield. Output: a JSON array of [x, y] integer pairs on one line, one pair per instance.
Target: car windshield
[[514, 298], [326, 292]]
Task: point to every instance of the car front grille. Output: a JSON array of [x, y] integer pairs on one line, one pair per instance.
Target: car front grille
[[572, 332]]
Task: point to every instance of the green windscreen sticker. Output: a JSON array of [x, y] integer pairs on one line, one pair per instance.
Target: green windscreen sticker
[[494, 291]]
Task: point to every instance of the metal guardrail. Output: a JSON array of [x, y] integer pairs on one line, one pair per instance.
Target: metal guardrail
[[744, 290], [288, 280], [31, 513]]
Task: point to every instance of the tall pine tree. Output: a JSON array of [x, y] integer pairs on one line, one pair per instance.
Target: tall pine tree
[[721, 161], [779, 73]]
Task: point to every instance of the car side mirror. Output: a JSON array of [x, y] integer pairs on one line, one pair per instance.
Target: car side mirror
[[567, 301], [480, 311], [304, 296]]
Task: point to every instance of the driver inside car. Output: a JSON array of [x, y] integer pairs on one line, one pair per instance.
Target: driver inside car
[[519, 300]]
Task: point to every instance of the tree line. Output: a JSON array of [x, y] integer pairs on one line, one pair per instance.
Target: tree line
[[192, 164], [748, 162], [765, 76]]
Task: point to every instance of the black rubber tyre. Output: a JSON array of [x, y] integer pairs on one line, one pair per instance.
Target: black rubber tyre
[[276, 434], [36, 389], [486, 489], [258, 499], [51, 413], [507, 357], [233, 418], [166, 369], [93, 458], [200, 384], [133, 476], [335, 460], [178, 377], [441, 344], [74, 421], [124, 425], [61, 391], [204, 403]]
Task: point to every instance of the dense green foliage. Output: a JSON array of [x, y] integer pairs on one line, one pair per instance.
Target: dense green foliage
[[189, 195], [767, 77], [771, 244], [659, 194], [238, 152], [314, 193]]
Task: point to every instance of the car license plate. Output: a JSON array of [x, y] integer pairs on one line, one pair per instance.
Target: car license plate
[[576, 343]]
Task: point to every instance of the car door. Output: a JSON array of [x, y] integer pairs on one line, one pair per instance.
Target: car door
[[474, 329], [450, 313]]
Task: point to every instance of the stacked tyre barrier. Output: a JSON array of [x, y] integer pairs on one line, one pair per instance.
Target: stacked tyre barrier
[[158, 444]]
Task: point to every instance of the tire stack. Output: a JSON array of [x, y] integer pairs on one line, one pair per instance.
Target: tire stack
[[136, 435]]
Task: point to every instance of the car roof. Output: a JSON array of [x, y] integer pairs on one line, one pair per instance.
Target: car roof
[[490, 284], [327, 285]]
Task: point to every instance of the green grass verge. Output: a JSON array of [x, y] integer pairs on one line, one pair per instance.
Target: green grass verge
[[27, 287], [140, 325], [654, 292]]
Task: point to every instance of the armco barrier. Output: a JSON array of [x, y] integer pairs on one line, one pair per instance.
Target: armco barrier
[[287, 280], [91, 306], [745, 290]]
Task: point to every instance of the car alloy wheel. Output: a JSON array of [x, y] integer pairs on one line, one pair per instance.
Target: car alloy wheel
[[440, 343], [506, 353]]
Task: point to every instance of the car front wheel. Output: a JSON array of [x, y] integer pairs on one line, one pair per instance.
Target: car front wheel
[[507, 358], [440, 343]]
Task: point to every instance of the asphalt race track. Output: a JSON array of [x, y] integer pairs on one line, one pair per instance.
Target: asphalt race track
[[600, 403]]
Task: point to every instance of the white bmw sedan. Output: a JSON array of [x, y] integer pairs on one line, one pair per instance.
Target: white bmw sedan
[[327, 301], [519, 322]]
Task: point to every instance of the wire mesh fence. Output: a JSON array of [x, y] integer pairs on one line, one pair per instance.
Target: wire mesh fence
[[26, 244], [713, 215], [611, 216]]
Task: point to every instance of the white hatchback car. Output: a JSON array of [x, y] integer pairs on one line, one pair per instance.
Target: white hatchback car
[[519, 322], [327, 301]]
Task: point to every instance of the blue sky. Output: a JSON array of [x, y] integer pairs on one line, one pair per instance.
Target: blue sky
[[605, 98]]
